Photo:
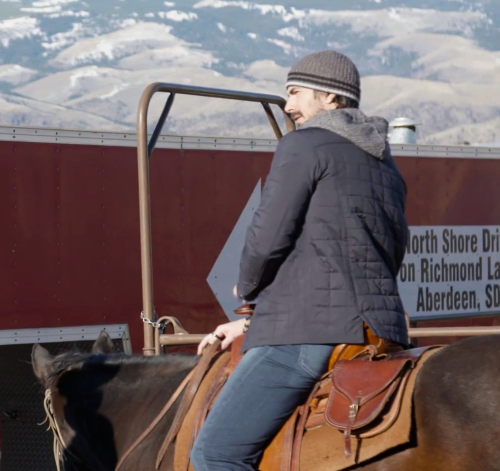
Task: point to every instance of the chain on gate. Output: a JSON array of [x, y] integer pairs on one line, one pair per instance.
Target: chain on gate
[[163, 322], [156, 325]]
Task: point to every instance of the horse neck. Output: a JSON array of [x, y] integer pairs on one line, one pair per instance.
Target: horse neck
[[136, 401]]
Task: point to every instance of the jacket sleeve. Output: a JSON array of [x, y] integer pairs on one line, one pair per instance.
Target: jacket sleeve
[[278, 220]]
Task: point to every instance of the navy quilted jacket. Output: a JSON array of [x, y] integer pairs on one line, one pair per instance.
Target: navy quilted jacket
[[325, 246]]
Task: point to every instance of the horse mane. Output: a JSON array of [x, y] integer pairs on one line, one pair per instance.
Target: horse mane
[[76, 360]]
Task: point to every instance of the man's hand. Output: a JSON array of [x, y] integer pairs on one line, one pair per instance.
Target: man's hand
[[228, 332]]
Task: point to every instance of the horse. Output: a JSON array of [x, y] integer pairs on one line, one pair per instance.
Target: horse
[[102, 402]]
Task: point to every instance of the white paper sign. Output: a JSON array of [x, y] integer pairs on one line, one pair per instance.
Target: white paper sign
[[451, 270]]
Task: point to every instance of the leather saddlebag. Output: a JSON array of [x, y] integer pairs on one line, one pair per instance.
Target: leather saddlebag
[[360, 390]]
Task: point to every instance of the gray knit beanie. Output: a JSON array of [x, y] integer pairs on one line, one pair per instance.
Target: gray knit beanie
[[327, 71]]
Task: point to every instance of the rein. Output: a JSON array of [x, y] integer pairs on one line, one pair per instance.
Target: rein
[[160, 416], [199, 373], [191, 384]]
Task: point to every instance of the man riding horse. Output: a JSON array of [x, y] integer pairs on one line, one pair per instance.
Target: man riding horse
[[322, 256]]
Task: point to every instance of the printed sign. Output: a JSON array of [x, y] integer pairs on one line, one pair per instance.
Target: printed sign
[[451, 270]]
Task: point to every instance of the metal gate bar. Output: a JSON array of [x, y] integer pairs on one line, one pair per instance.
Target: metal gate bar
[[419, 332], [171, 340], [144, 151]]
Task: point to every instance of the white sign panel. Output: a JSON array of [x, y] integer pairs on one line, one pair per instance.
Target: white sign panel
[[451, 270]]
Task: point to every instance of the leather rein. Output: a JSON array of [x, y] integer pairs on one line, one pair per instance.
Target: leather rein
[[160, 416], [191, 383]]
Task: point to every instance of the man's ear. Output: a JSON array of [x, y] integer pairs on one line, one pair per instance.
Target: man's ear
[[330, 98], [103, 344], [41, 361]]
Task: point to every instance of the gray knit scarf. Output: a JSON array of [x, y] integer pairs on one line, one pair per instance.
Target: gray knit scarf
[[368, 133]]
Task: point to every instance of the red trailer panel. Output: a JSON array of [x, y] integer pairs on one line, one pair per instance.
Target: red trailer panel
[[70, 245]]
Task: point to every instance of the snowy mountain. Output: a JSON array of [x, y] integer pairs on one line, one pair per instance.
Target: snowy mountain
[[84, 64]]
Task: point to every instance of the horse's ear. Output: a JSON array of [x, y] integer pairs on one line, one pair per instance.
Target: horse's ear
[[103, 344], [41, 361]]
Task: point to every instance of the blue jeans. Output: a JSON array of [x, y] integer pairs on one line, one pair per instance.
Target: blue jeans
[[259, 397]]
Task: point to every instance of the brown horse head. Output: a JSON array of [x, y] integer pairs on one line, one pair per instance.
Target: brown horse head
[[100, 403]]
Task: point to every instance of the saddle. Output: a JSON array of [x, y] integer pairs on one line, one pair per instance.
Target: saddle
[[360, 396]]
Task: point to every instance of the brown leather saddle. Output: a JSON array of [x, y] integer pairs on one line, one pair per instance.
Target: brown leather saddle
[[360, 396]]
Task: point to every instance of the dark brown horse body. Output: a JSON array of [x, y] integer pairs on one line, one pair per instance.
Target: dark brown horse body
[[103, 403]]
